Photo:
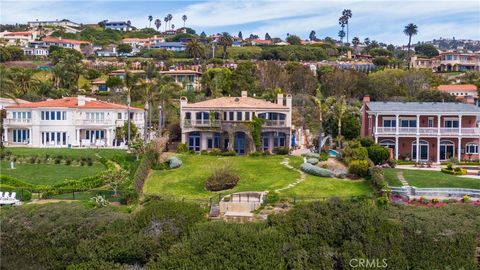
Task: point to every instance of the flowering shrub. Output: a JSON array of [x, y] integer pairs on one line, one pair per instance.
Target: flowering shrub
[[314, 170], [174, 162], [312, 161], [466, 198], [358, 168]]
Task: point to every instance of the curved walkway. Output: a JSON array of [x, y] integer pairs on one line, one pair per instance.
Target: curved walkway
[[286, 163]]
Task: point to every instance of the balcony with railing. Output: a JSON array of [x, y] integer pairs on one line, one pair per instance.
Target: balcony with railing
[[425, 131], [17, 121], [202, 123], [275, 123], [93, 122]]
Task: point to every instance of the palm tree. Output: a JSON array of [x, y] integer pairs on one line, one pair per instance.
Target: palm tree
[[195, 49], [158, 23], [355, 42], [226, 41], [341, 34], [184, 19], [130, 82], [410, 30], [150, 19], [169, 17], [23, 81], [366, 41], [149, 90], [346, 14], [166, 22]]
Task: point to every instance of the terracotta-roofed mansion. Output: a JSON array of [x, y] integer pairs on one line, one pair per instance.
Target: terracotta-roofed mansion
[[69, 121], [223, 123]]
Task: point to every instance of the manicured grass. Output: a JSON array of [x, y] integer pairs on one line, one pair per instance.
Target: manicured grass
[[391, 177], [48, 174], [86, 195], [317, 187], [71, 152], [256, 174], [432, 179]]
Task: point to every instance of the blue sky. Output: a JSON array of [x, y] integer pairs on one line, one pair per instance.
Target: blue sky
[[378, 20]]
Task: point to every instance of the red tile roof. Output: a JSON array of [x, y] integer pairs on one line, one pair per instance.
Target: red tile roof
[[72, 102], [64, 40], [18, 33], [458, 87]]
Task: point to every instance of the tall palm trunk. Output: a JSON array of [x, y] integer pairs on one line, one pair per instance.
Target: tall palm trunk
[[145, 122], [347, 32], [408, 47], [128, 119]]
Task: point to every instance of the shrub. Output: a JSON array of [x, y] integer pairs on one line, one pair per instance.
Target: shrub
[[204, 152], [312, 161], [57, 160], [281, 150], [182, 148], [68, 161], [215, 152], [323, 156], [449, 166], [358, 168], [222, 178], [367, 141], [358, 153], [314, 170], [174, 162], [392, 163], [32, 159], [455, 171], [259, 153], [378, 154], [272, 197], [229, 153], [377, 178]]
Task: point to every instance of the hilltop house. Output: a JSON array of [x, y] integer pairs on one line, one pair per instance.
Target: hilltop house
[[449, 62], [169, 46], [63, 23], [70, 121], [461, 91], [61, 42], [18, 38], [226, 123], [119, 25], [428, 131], [190, 78]]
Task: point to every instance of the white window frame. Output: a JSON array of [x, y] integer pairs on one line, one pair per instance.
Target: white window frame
[[467, 150]]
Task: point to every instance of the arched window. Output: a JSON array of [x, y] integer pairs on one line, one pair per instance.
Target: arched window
[[388, 143]]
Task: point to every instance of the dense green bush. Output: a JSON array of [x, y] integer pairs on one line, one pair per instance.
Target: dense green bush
[[378, 154], [229, 153], [358, 167], [366, 141], [281, 150], [455, 171], [182, 148], [377, 178], [215, 152], [311, 155], [354, 153], [314, 170]]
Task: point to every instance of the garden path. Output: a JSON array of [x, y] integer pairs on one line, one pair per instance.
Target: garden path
[[286, 163], [402, 179]]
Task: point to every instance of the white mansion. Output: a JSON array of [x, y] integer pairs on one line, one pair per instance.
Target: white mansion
[[70, 121]]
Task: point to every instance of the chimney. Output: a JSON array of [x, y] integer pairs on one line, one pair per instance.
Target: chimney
[[183, 102], [468, 100], [366, 99], [244, 94], [81, 100], [280, 99], [289, 101]]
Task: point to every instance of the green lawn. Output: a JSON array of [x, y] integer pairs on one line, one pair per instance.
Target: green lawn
[[71, 152], [432, 179], [315, 186], [256, 174], [48, 174]]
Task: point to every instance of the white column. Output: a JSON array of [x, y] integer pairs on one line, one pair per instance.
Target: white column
[[417, 158], [397, 119], [418, 125], [376, 128], [459, 155], [460, 125], [438, 149], [6, 135], [396, 147], [439, 117], [107, 137], [30, 136], [78, 136]]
